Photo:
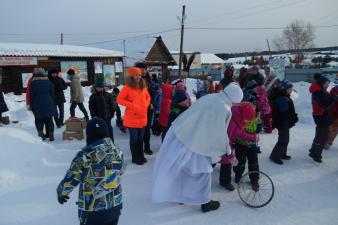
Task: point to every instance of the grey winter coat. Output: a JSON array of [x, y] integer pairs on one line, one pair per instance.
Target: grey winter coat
[[76, 95]]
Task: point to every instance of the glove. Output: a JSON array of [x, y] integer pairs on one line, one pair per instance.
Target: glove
[[62, 198]]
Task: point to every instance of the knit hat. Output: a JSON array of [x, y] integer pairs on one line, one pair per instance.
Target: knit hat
[[134, 71], [99, 83], [180, 96], [39, 71], [247, 110], [320, 79], [233, 92], [96, 129], [251, 84]]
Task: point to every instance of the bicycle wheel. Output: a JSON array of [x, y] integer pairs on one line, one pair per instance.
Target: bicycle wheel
[[252, 196]]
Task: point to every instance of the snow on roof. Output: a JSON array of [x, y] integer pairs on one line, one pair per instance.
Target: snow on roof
[[24, 49], [210, 58]]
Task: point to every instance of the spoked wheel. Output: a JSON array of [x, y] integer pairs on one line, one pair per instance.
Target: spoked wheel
[[253, 195]]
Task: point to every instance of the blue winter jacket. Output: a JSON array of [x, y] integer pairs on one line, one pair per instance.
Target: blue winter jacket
[[42, 97]]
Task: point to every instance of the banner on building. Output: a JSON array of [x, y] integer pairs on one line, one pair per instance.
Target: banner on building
[[18, 61], [80, 68], [25, 77], [109, 74]]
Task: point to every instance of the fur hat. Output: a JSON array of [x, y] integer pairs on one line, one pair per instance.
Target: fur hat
[[320, 79], [233, 92], [285, 85], [180, 96], [39, 71], [96, 129], [134, 71]]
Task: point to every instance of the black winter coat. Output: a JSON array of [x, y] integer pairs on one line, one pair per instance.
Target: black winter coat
[[3, 106], [283, 112], [101, 105], [59, 86]]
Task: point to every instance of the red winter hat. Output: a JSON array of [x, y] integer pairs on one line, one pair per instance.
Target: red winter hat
[[247, 110], [134, 71]]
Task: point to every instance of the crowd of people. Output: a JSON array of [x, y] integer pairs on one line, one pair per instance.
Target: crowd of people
[[236, 110]]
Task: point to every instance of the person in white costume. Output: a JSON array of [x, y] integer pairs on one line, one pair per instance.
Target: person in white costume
[[196, 139]]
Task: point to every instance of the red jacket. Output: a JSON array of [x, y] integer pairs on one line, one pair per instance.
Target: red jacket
[[167, 91], [334, 92], [28, 94]]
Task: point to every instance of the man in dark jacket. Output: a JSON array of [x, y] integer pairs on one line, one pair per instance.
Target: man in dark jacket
[[101, 105], [322, 102], [59, 86], [284, 117], [42, 102]]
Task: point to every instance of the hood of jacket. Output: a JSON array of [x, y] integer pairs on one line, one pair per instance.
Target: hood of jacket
[[315, 87]]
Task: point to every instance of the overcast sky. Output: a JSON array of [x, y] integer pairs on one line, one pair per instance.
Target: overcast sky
[[89, 21]]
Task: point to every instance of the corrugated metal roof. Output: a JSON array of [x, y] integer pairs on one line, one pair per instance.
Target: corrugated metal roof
[[25, 49]]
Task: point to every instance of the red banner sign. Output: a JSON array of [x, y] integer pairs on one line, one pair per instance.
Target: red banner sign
[[18, 61]]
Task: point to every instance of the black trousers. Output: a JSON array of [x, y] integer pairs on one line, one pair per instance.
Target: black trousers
[[110, 129], [136, 145], [146, 137], [59, 115], [281, 146], [46, 122], [82, 108], [243, 154], [118, 113], [322, 134], [93, 222]]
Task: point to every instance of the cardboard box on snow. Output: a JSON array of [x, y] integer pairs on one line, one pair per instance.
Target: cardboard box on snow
[[69, 135], [75, 124]]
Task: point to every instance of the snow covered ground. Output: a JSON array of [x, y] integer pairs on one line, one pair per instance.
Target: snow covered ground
[[306, 193]]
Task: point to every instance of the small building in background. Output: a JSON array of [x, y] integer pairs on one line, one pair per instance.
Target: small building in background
[[17, 61]]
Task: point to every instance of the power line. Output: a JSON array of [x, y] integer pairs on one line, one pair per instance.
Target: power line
[[130, 37], [254, 28]]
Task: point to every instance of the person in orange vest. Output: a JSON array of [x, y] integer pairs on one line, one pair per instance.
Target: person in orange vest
[[135, 97]]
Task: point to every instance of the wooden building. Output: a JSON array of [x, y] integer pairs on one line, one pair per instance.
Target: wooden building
[[17, 61], [159, 55]]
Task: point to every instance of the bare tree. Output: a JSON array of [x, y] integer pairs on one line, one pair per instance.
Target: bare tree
[[296, 36]]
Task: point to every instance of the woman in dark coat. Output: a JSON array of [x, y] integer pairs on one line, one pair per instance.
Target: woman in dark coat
[[59, 86], [42, 102]]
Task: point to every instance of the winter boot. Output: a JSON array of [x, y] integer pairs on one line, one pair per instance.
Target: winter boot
[[210, 206], [316, 152], [254, 185], [148, 151], [286, 157], [276, 154], [225, 177], [41, 135], [51, 136]]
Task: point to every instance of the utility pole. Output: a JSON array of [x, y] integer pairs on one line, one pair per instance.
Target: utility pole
[[267, 41], [181, 45], [61, 38], [124, 57]]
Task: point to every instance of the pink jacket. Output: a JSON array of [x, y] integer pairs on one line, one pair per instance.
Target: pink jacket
[[263, 101], [236, 130]]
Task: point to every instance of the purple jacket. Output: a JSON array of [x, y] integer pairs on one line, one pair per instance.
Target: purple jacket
[[236, 130]]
